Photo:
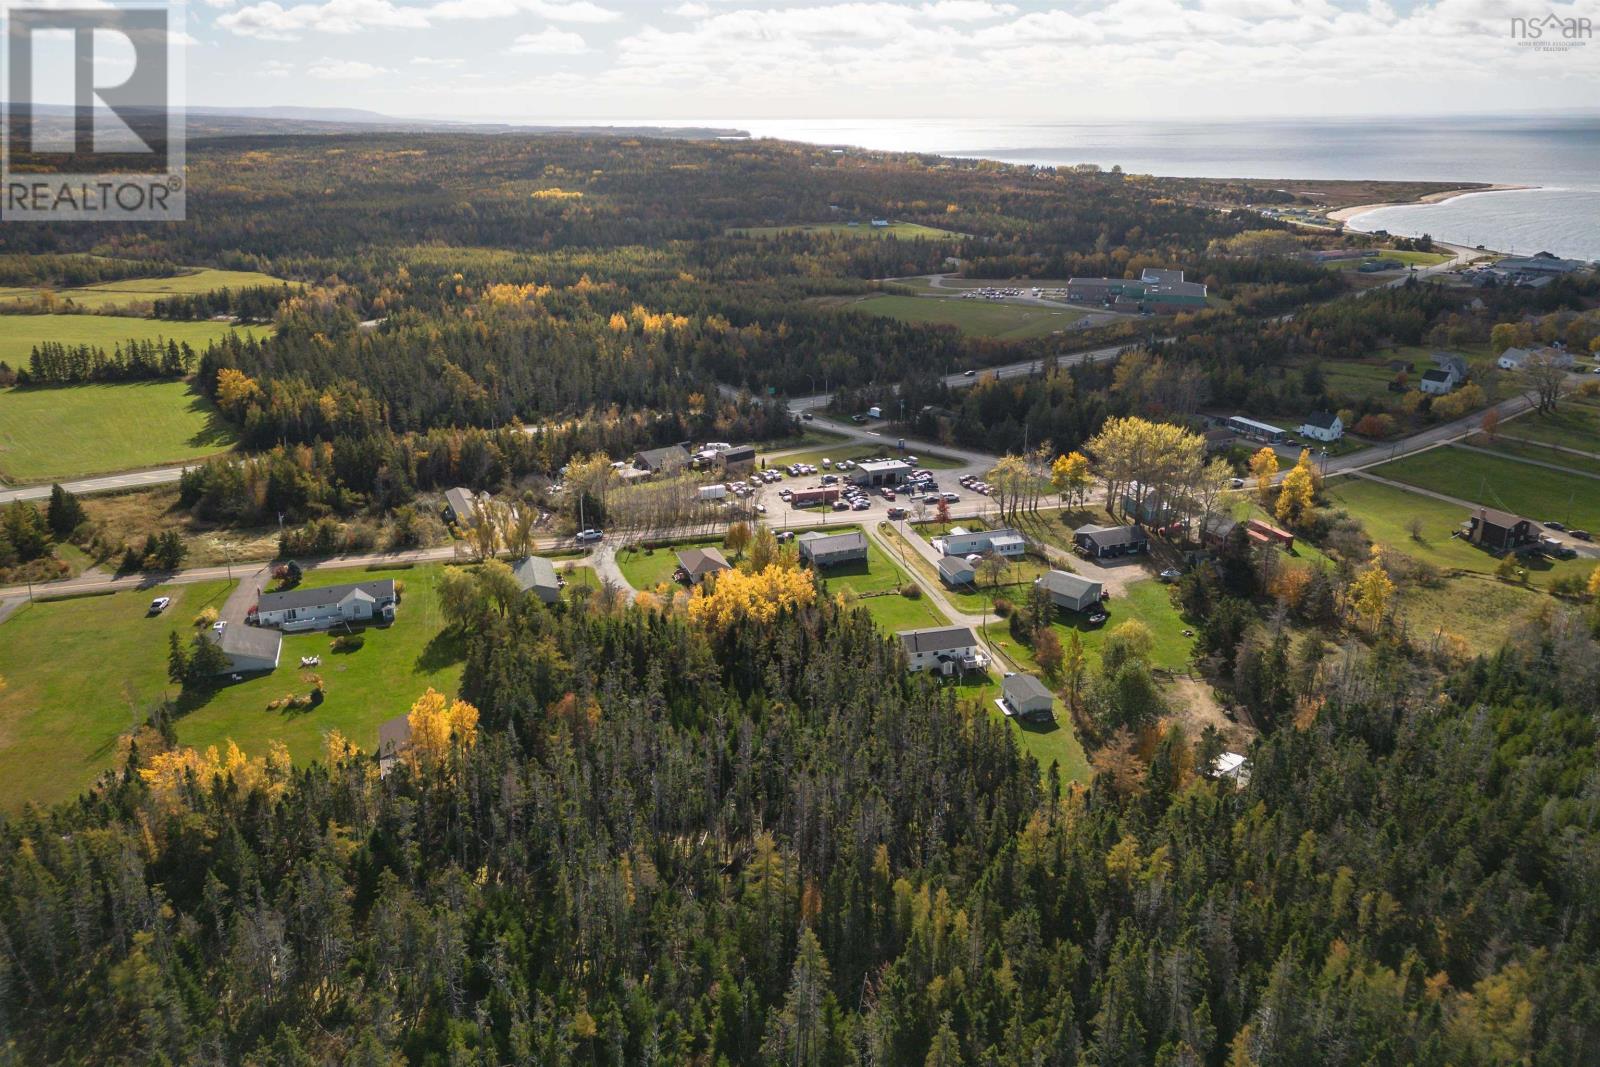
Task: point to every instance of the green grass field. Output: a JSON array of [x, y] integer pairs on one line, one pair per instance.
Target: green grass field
[[1574, 424], [79, 674], [1521, 450], [364, 688], [646, 568], [894, 229], [1386, 513], [20, 333], [977, 318], [74, 430], [1410, 259], [135, 291], [1534, 492]]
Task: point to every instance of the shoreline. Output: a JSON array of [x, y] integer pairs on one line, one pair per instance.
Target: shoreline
[[1345, 214]]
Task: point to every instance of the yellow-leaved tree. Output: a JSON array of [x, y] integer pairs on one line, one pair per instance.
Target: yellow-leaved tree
[[1372, 592], [760, 596], [437, 724], [1297, 495], [1070, 477], [1264, 466], [168, 771]]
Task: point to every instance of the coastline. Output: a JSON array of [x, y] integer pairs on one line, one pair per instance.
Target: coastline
[[1345, 214]]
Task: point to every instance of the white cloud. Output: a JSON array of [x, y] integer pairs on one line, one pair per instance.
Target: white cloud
[[345, 70], [965, 10], [549, 42], [691, 11], [276, 68], [271, 20], [570, 11], [436, 61]]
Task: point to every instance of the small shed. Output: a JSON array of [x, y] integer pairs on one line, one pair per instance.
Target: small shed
[[955, 571], [1027, 697]]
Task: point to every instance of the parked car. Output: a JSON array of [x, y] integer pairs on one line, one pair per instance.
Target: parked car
[[807, 416], [220, 625], [1582, 535], [589, 536], [897, 513], [951, 498], [1237, 483], [761, 509], [1097, 617], [1551, 524], [159, 604], [1171, 574], [931, 499], [841, 505]]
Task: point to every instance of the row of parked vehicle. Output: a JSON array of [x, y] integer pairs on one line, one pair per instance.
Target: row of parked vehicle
[[976, 484]]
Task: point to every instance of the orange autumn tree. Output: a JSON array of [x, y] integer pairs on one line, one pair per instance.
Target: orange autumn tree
[[436, 724]]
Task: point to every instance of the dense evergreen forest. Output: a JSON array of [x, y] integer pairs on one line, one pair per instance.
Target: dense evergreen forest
[[684, 842]]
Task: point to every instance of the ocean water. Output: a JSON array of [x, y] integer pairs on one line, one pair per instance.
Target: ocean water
[[1559, 153]]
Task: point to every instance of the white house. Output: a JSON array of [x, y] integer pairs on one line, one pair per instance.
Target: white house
[[1027, 697], [1437, 382], [318, 609], [955, 571], [248, 649], [1322, 426], [1232, 767], [1516, 358], [942, 650], [963, 542]]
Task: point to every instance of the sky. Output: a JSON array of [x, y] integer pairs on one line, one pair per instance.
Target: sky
[[686, 60]]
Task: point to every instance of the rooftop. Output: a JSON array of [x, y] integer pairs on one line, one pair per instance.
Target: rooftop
[[378, 589], [1024, 687], [937, 639], [821, 542], [1323, 420], [699, 562], [535, 572], [1111, 535], [1067, 584]]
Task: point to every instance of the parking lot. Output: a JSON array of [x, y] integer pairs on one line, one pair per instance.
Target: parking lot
[[799, 491]]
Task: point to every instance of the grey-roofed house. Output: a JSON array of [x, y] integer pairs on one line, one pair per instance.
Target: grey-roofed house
[[537, 575], [697, 563], [460, 505], [1437, 382], [1516, 358], [1070, 591], [1322, 426], [830, 550], [1103, 541], [319, 608], [955, 571], [394, 737], [1027, 697], [942, 649], [657, 460], [248, 648]]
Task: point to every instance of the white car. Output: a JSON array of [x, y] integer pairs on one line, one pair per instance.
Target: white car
[[159, 604], [761, 509], [220, 625], [587, 536]]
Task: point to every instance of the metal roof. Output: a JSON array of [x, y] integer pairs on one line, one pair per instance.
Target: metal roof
[[535, 572]]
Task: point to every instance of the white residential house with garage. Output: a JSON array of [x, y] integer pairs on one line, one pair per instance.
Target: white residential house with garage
[[1516, 358], [942, 650], [1070, 591], [1026, 697], [248, 648], [963, 542], [333, 605], [831, 550], [1322, 426]]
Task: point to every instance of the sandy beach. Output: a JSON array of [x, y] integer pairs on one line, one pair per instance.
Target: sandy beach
[[1345, 214]]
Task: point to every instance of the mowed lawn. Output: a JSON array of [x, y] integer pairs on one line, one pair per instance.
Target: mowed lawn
[[59, 432], [1573, 424], [79, 674], [977, 318], [134, 291], [20, 333], [645, 568], [363, 688], [877, 584], [1386, 514], [1538, 493]]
